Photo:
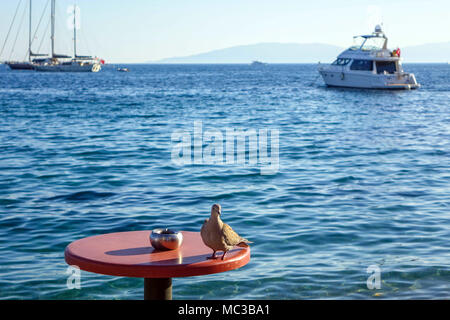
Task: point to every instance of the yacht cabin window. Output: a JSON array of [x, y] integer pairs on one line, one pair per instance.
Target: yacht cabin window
[[341, 61], [368, 43], [357, 42], [375, 43], [386, 67], [362, 65]]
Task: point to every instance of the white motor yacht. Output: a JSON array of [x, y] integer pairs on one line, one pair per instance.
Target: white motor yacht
[[368, 64]]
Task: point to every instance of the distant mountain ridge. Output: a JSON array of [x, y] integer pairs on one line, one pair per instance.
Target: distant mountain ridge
[[303, 53], [431, 52], [266, 52]]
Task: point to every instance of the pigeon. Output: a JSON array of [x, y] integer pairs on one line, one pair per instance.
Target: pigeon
[[219, 236]]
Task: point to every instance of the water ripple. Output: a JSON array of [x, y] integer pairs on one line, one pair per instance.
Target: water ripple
[[363, 179]]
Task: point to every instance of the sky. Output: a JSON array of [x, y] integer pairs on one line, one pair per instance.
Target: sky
[[136, 31]]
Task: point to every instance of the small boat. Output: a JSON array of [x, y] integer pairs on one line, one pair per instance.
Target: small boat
[[258, 64], [368, 64], [123, 69]]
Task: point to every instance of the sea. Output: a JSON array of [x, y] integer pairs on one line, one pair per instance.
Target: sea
[[357, 205]]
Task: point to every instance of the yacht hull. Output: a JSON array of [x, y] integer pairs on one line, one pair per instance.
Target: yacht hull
[[368, 81]]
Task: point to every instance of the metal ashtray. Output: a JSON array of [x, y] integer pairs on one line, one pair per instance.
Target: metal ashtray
[[166, 239]]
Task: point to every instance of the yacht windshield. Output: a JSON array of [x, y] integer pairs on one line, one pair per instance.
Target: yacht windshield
[[375, 43], [357, 43]]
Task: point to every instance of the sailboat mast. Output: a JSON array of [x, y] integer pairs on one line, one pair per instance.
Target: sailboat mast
[[53, 27], [29, 37], [74, 31]]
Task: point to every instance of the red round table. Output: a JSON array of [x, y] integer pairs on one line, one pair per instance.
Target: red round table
[[130, 254]]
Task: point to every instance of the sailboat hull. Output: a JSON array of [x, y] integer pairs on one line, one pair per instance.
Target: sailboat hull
[[68, 68], [20, 65]]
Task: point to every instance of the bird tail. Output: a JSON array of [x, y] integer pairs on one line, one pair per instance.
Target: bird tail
[[244, 243]]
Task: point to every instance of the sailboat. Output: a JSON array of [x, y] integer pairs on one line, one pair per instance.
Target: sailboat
[[26, 65], [65, 63]]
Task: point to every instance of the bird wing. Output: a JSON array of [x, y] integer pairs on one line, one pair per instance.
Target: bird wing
[[230, 237], [204, 226]]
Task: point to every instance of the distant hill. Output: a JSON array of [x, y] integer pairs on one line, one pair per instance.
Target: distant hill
[[266, 52], [432, 52], [303, 53]]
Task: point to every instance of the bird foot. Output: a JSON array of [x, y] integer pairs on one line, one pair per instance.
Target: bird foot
[[213, 256]]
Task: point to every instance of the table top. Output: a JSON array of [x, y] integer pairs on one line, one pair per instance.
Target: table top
[[130, 254]]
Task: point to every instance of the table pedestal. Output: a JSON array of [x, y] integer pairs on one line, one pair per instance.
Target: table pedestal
[[158, 289]]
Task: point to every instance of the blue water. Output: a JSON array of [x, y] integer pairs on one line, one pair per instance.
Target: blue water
[[364, 179]]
